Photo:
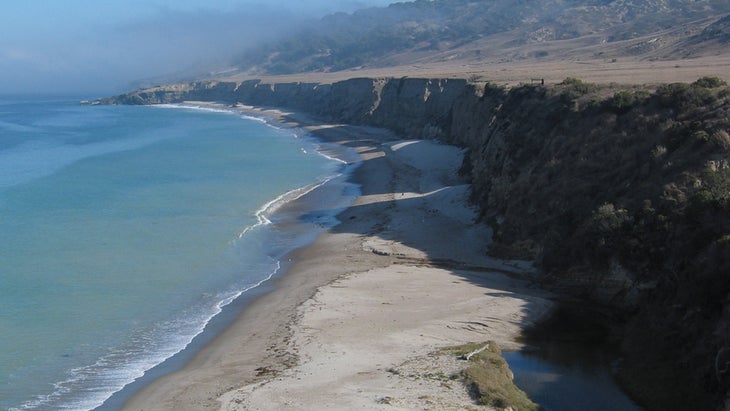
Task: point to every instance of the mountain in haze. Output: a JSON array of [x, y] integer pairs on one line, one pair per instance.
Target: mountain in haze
[[426, 31]]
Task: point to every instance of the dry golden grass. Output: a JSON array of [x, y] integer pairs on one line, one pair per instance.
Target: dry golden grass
[[622, 71]]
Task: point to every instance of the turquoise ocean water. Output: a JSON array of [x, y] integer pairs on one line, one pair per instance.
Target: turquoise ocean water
[[124, 230]]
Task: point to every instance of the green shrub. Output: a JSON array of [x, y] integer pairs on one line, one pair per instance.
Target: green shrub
[[572, 81], [700, 136], [714, 194], [608, 218], [721, 139], [684, 96], [577, 87], [622, 101], [709, 82]]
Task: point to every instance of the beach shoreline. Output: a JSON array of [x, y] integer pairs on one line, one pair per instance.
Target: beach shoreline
[[404, 274]]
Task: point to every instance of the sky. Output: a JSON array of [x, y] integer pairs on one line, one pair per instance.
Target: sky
[[101, 47]]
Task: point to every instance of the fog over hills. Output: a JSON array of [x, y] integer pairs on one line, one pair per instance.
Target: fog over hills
[[497, 31], [86, 46], [82, 46]]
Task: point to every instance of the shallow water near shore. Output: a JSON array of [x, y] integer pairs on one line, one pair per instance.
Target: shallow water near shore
[[126, 229]]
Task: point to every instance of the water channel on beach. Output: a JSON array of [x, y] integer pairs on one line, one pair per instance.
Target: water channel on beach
[[568, 364]]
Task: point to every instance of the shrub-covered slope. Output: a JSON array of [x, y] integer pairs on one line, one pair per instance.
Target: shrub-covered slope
[[624, 200]]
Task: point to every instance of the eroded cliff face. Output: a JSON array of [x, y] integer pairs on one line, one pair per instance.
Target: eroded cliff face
[[411, 107], [621, 196]]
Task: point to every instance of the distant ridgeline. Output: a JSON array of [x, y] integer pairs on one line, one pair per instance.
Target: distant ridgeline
[[621, 196], [374, 37]]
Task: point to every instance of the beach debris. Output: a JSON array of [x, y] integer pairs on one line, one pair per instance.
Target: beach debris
[[468, 355]]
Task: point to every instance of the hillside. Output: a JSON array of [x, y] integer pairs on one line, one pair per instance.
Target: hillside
[[498, 31]]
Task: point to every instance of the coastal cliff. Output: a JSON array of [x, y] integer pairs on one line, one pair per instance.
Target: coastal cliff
[[621, 196]]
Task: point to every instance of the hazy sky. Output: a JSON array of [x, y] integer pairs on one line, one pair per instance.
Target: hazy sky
[[103, 46]]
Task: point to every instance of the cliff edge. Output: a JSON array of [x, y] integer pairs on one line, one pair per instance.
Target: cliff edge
[[620, 194]]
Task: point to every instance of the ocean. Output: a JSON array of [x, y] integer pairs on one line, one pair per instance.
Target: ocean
[[124, 230]]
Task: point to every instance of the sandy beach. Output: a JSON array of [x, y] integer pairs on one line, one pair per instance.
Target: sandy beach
[[360, 317]]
